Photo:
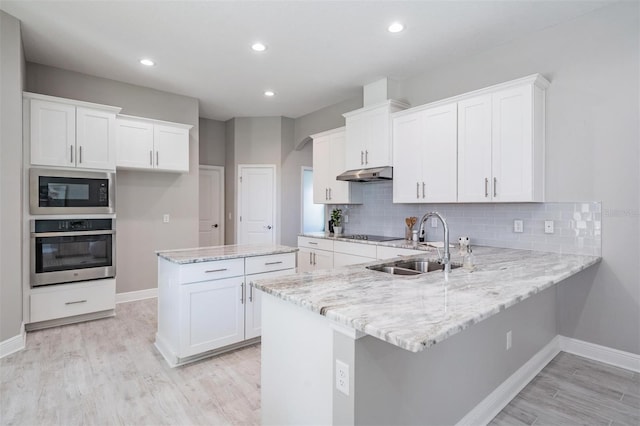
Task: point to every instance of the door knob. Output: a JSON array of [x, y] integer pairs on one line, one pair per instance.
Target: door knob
[[268, 226], [214, 226]]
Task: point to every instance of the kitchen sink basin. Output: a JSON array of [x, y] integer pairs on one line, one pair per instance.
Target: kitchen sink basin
[[413, 267]]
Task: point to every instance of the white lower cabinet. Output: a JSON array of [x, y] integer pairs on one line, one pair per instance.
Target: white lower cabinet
[[211, 315], [54, 302], [209, 307], [345, 253], [253, 310], [314, 253]]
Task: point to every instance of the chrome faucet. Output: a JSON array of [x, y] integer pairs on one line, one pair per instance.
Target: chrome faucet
[[446, 256]]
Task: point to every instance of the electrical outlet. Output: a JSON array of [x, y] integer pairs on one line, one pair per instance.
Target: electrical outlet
[[434, 222], [230, 217], [509, 340], [166, 218], [518, 225], [548, 227], [342, 377], [345, 218]]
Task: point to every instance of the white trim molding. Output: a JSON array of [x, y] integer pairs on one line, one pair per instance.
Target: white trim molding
[[615, 357], [132, 296], [14, 344], [489, 407]]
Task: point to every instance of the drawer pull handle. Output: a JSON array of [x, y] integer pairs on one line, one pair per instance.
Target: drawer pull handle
[[312, 243], [77, 301], [273, 263], [250, 291], [215, 270]]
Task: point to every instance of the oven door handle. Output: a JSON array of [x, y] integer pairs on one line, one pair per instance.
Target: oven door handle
[[71, 234]]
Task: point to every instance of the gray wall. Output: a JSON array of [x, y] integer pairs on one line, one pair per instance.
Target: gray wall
[[292, 162], [323, 119], [11, 84], [230, 182], [212, 142], [141, 197]]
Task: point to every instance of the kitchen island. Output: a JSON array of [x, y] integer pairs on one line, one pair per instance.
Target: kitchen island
[[206, 300], [425, 349]]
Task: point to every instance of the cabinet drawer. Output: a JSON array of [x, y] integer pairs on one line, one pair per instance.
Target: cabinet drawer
[[315, 243], [385, 252], [274, 262], [215, 270], [357, 249], [68, 300]]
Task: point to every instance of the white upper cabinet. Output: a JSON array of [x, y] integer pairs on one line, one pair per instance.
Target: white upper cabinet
[[474, 149], [146, 144], [95, 139], [68, 133], [501, 144], [424, 152], [368, 135], [134, 144], [329, 162]]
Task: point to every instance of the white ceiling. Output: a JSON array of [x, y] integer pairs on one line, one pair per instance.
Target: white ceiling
[[319, 52]]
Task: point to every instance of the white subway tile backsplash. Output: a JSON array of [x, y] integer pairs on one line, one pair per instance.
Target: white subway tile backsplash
[[577, 224]]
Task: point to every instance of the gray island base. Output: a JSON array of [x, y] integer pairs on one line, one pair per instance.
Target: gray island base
[[422, 350]]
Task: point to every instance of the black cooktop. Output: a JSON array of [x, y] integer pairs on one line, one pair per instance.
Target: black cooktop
[[375, 238]]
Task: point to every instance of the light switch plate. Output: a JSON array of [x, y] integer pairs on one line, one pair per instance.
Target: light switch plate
[[166, 218]]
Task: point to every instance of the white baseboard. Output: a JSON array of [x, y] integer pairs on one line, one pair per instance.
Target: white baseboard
[[615, 357], [14, 344], [489, 407], [136, 295]]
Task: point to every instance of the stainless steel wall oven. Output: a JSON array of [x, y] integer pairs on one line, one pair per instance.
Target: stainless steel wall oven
[[68, 250]]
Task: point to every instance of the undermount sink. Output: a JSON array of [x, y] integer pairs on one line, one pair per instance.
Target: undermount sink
[[412, 267]]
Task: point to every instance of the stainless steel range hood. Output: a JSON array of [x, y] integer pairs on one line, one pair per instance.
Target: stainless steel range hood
[[367, 175]]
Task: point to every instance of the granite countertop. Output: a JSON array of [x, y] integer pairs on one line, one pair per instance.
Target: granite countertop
[[415, 312], [208, 254]]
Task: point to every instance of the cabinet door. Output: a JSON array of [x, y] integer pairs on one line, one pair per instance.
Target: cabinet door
[[171, 148], [322, 165], [356, 133], [439, 153], [512, 145], [305, 260], [53, 134], [95, 139], [134, 142], [474, 149], [211, 315], [339, 192], [322, 259], [377, 141], [407, 163], [253, 307]]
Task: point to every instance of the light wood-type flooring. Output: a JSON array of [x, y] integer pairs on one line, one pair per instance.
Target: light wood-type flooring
[[107, 372]]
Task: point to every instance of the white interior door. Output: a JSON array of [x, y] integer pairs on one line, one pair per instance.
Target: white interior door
[[256, 204], [211, 206]]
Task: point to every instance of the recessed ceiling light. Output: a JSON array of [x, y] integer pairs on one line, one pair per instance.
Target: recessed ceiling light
[[259, 47], [396, 27], [147, 62], [269, 93]]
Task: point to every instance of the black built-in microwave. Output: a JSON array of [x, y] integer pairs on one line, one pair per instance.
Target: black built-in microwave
[[71, 192]]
